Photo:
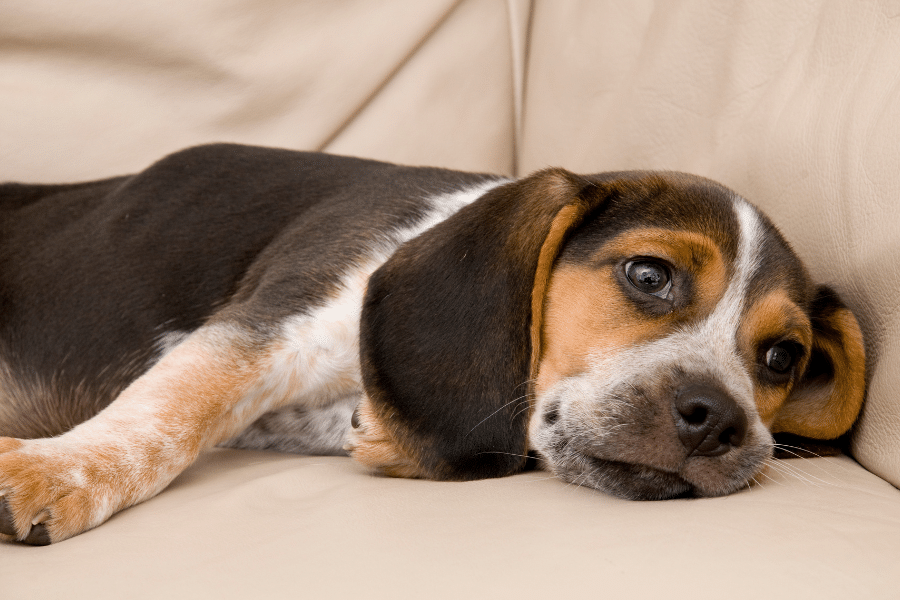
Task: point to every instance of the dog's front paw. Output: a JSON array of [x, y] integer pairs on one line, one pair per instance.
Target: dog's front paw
[[49, 492], [371, 444]]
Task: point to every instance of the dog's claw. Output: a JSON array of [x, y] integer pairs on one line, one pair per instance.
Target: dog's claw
[[6, 519], [38, 536]]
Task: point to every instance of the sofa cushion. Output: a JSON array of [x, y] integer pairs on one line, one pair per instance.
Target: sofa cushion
[[242, 524]]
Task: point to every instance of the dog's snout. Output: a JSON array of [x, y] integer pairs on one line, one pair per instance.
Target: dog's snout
[[708, 420]]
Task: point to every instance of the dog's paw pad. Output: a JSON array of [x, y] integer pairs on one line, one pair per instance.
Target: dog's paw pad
[[371, 444]]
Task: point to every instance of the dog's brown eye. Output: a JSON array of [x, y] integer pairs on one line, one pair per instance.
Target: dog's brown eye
[[649, 277], [779, 359]]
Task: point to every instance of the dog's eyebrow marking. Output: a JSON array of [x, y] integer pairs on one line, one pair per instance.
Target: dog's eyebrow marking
[[687, 249]]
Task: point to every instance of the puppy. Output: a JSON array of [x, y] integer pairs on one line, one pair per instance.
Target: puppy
[[641, 333]]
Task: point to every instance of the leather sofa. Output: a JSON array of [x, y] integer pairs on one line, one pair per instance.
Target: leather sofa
[[796, 105]]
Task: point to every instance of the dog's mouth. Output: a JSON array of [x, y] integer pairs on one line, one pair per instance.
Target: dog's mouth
[[633, 446], [694, 478], [643, 475]]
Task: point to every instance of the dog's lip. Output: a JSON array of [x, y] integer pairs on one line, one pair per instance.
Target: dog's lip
[[604, 462], [601, 458], [670, 483]]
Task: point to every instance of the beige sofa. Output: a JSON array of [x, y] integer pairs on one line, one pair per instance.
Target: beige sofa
[[795, 104]]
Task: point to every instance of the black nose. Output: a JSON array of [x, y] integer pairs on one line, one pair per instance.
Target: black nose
[[709, 421]]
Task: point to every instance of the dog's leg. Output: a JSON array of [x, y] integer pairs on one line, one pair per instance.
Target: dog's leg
[[204, 390], [313, 430]]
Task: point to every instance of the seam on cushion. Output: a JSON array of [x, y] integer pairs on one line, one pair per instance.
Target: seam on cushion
[[390, 77], [520, 46]]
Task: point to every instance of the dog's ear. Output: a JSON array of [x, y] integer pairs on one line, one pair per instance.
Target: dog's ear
[[825, 402], [450, 333]]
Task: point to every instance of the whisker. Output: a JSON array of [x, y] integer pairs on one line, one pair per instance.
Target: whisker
[[548, 478], [526, 382], [796, 471], [785, 448], [514, 400], [770, 478], [524, 409], [829, 459], [791, 473], [535, 456], [582, 479]]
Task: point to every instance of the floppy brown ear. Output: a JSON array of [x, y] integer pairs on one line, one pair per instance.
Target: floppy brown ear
[[826, 401], [448, 328]]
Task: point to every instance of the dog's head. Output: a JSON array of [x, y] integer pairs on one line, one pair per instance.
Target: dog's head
[[642, 333]]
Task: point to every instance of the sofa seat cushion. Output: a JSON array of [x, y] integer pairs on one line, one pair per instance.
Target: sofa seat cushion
[[244, 524]]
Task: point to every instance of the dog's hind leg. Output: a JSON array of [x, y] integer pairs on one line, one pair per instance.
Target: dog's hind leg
[[301, 429]]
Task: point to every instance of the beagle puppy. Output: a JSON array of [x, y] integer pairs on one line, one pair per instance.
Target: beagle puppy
[[641, 333]]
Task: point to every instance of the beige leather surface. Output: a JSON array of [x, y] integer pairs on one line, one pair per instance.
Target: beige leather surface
[[102, 87], [254, 525], [796, 105]]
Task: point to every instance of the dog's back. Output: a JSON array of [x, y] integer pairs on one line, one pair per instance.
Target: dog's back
[[98, 279]]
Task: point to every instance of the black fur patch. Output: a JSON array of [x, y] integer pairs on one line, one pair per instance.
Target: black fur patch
[[92, 274]]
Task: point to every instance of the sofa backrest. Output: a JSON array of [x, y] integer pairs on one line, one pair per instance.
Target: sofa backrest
[[102, 88]]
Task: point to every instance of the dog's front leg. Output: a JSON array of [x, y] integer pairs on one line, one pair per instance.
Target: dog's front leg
[[204, 390]]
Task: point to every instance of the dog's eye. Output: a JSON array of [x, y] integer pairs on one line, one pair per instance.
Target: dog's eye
[[649, 277], [780, 358]]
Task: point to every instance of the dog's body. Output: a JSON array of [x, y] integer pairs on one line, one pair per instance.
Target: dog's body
[[640, 333]]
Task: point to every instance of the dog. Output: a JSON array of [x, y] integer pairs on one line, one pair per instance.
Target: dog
[[642, 333]]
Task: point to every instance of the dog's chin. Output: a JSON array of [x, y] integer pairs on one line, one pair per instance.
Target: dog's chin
[[627, 480], [633, 481]]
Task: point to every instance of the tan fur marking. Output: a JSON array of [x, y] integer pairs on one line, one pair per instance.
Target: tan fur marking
[[828, 411], [768, 400], [563, 222], [373, 445], [9, 444], [773, 317], [196, 388], [586, 312], [687, 250]]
